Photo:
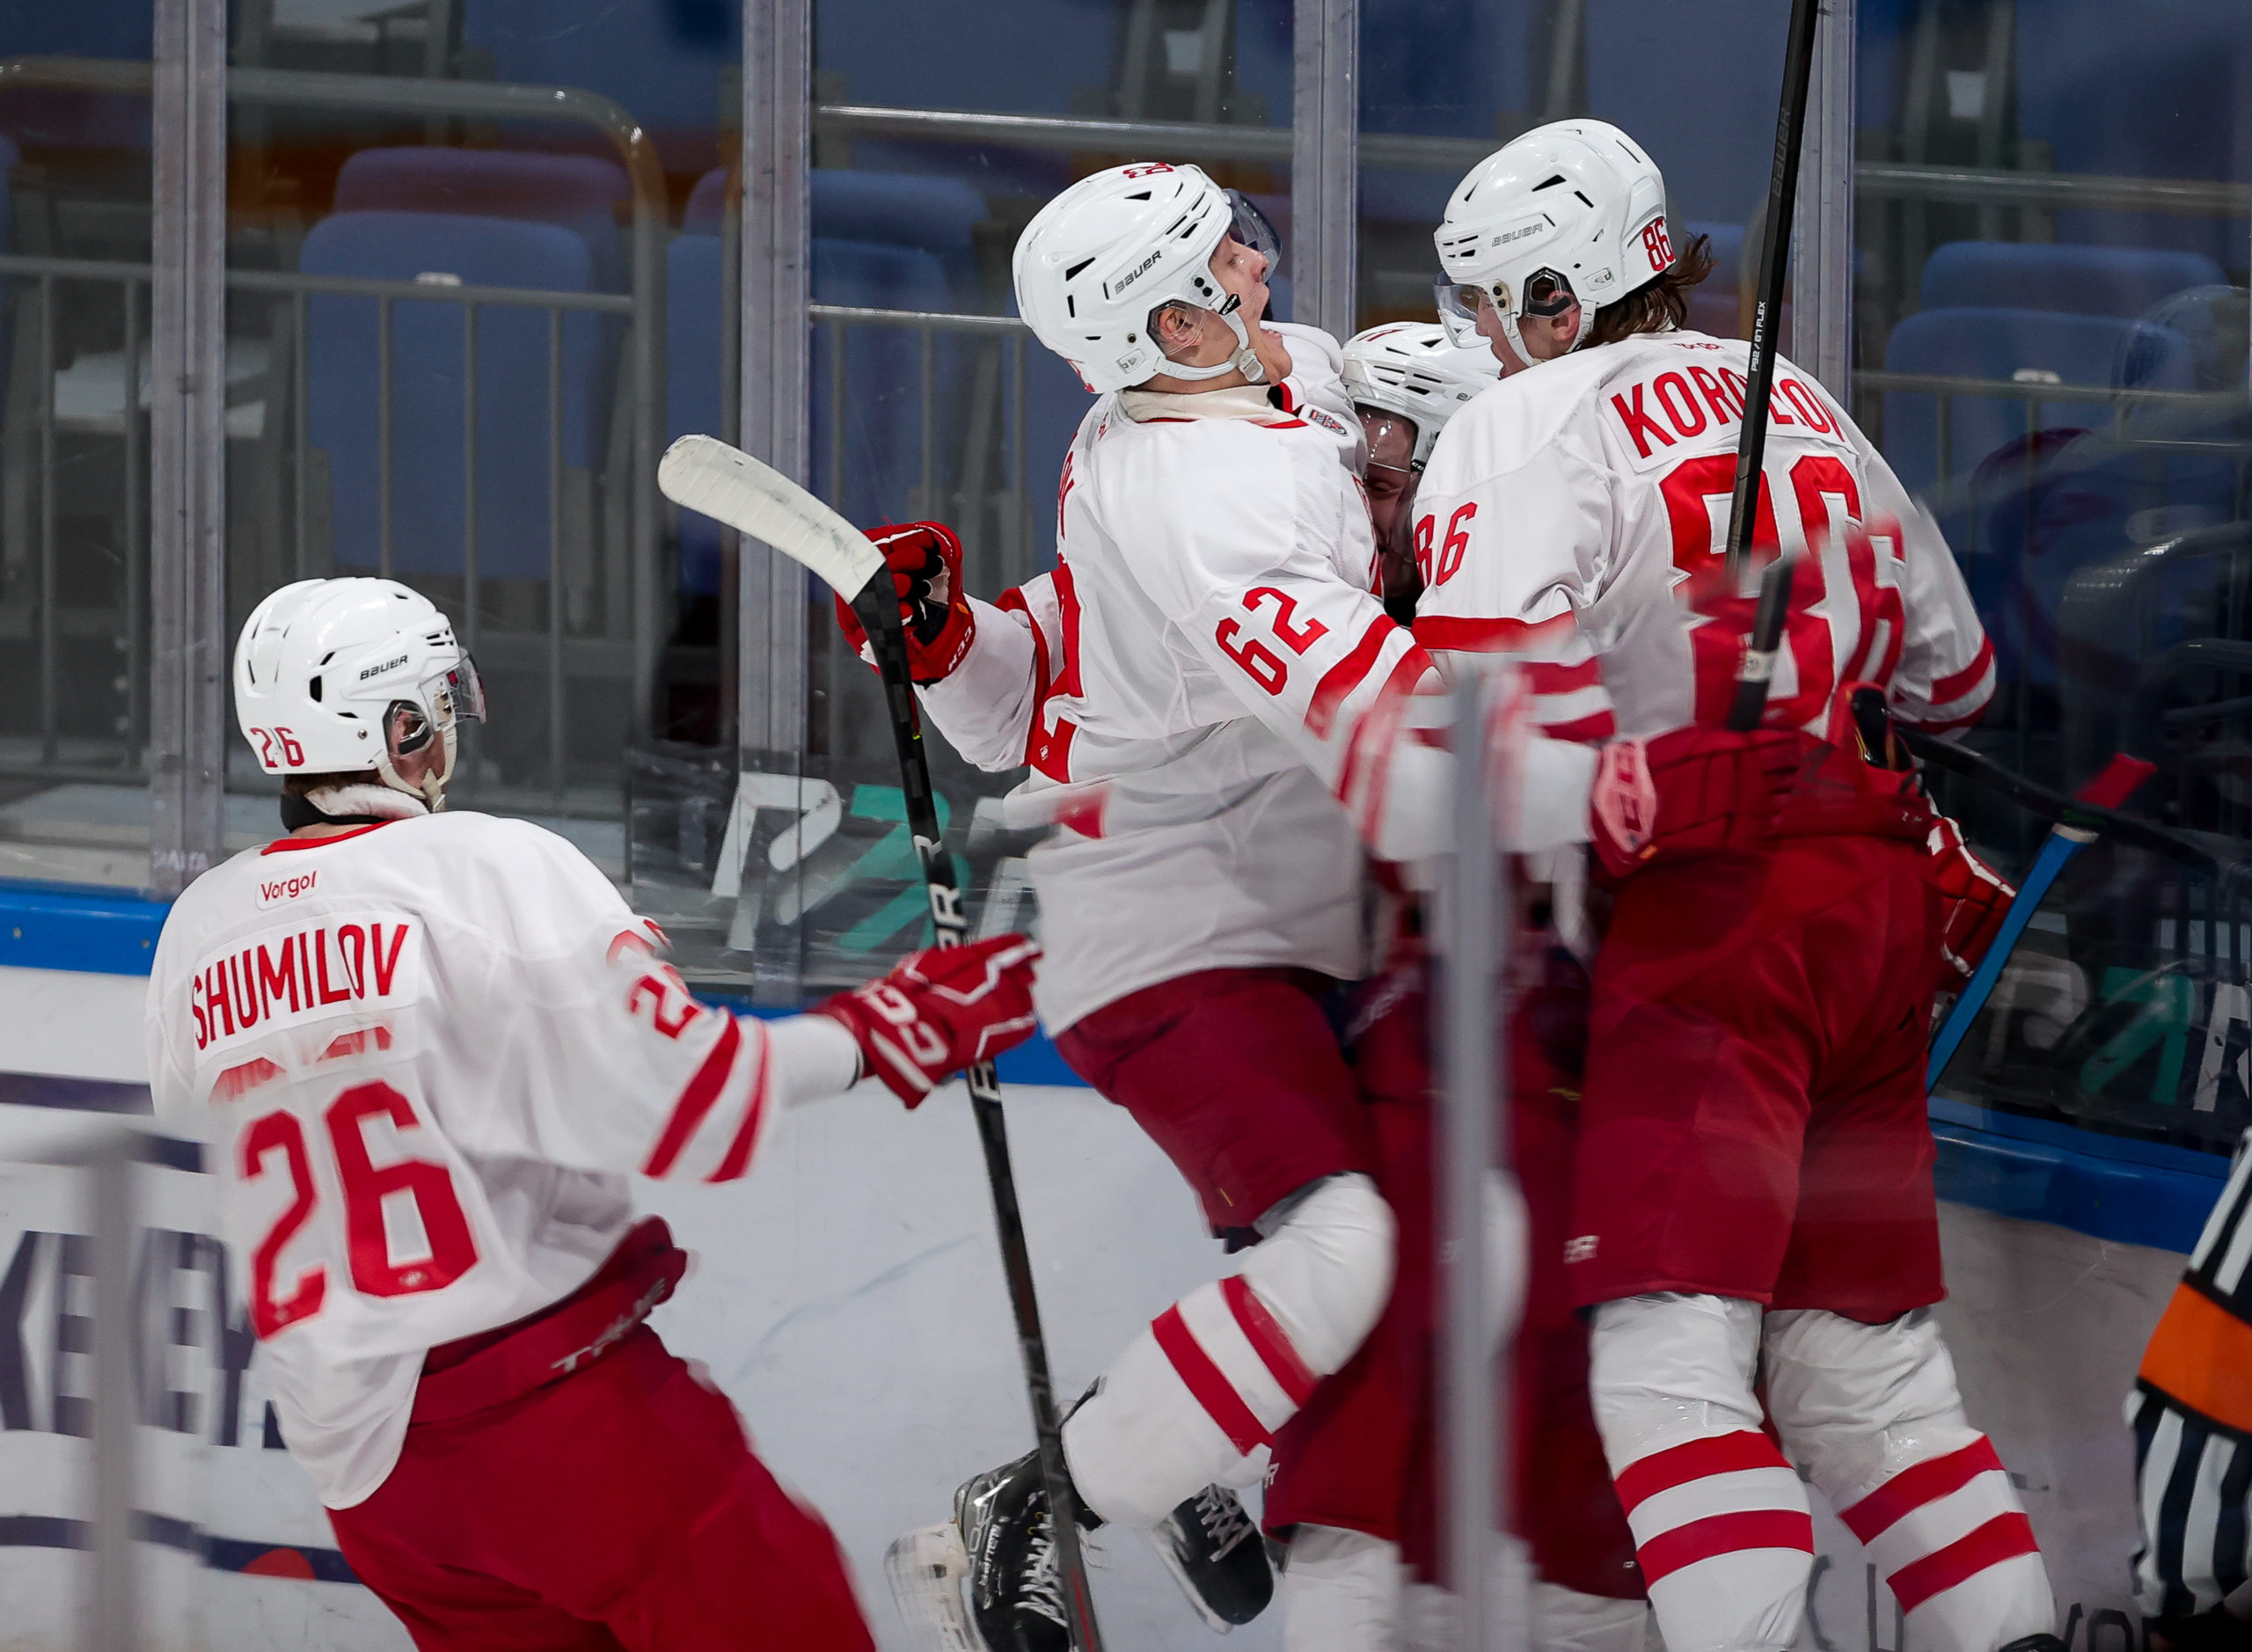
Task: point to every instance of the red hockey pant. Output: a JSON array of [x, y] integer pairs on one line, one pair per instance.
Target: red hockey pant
[[619, 1508]]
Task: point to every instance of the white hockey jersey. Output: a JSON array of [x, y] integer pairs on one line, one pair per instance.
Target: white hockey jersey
[[1203, 678], [423, 1055], [1596, 485]]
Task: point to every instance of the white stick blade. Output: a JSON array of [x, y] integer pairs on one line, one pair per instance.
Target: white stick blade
[[703, 473]]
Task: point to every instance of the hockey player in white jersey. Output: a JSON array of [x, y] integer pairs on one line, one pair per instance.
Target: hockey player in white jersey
[[1406, 379], [1214, 705], [427, 1049], [1754, 1188]]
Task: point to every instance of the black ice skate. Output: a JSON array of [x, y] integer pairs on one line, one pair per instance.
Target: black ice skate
[[990, 1581], [1213, 1547]]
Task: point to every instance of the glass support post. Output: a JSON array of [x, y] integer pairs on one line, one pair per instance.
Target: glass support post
[[189, 647], [1324, 164], [1822, 286]]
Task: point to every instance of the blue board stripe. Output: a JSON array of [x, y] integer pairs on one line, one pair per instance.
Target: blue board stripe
[[60, 926]]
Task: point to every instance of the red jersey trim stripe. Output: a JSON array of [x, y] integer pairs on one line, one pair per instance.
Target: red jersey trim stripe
[[1954, 687], [1696, 1459], [1545, 677], [282, 846], [738, 1155], [1465, 635], [1724, 1534], [697, 1100], [2003, 1538], [1591, 730], [1338, 682], [1206, 1383], [1269, 1340], [1919, 1484]]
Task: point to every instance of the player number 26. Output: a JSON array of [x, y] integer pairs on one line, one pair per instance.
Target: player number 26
[[271, 740], [375, 1272]]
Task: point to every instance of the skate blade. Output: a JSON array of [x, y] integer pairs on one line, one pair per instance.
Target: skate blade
[[926, 1570]]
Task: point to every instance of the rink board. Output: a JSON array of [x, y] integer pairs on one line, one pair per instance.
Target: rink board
[[848, 1296]]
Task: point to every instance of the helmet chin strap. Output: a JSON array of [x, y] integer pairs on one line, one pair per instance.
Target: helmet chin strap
[[1516, 341], [1245, 361], [431, 792]]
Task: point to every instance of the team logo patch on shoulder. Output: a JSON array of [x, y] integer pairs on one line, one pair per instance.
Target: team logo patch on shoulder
[[1327, 422]]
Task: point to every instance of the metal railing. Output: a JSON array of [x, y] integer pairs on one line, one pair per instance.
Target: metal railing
[[644, 601], [989, 496], [1167, 140]]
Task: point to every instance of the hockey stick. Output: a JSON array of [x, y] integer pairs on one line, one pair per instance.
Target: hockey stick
[[706, 475], [1759, 664], [2073, 832]]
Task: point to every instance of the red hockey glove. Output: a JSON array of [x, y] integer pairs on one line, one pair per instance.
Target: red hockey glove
[[926, 561], [1977, 899], [1691, 792], [939, 1011]]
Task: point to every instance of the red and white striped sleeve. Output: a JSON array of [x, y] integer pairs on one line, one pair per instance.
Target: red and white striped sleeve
[[600, 1058], [1945, 674], [1244, 547], [987, 706], [1508, 559]]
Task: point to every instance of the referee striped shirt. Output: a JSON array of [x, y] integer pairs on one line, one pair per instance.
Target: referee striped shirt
[[2191, 1412]]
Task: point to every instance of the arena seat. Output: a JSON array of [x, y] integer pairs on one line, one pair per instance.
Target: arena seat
[[2137, 95], [668, 62], [583, 193], [512, 525], [882, 406], [2085, 281], [2020, 346]]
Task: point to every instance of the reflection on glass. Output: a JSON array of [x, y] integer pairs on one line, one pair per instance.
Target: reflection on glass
[[2050, 310], [480, 288], [1444, 83], [931, 401], [75, 167]]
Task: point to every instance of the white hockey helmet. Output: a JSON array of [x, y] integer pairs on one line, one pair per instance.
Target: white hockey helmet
[[1572, 209], [1097, 261], [321, 665], [1415, 369]]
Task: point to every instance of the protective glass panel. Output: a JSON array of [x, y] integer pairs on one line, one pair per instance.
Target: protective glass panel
[[75, 178], [931, 401], [1445, 83], [473, 286]]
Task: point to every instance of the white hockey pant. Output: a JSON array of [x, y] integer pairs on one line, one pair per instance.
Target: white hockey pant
[[1346, 1592], [1202, 1390], [1720, 1523]]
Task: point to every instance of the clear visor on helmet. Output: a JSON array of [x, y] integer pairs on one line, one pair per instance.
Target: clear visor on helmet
[[442, 701], [1252, 228], [1459, 303]]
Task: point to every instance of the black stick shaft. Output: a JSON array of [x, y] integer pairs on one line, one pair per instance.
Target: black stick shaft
[[1751, 444], [878, 612]]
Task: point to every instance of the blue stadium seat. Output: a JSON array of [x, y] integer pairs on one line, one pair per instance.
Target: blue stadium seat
[[882, 406], [910, 209], [54, 118], [1699, 98], [2028, 346], [1441, 69], [693, 366], [2140, 92], [1001, 57], [583, 193], [2085, 281], [883, 396], [667, 61], [514, 530]]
